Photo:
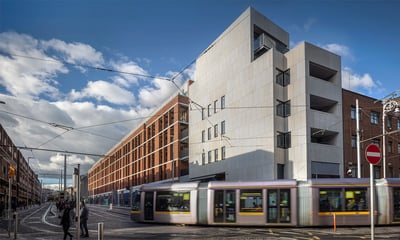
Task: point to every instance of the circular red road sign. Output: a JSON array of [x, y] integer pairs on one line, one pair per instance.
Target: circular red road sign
[[373, 154]]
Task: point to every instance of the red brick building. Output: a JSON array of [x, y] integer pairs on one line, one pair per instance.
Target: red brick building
[[157, 150], [370, 113]]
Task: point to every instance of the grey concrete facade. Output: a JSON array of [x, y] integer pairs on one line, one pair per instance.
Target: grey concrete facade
[[261, 111]]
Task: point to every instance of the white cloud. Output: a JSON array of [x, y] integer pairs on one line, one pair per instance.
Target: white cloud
[[27, 77], [102, 90], [76, 53], [133, 73], [154, 96], [358, 82], [338, 49]]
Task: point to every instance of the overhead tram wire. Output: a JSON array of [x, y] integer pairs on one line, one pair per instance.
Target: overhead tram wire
[[90, 67]]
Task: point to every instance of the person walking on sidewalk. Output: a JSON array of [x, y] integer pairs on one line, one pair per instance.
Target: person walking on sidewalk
[[84, 217], [66, 220]]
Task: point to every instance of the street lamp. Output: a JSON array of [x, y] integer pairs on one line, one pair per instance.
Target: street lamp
[[389, 105]]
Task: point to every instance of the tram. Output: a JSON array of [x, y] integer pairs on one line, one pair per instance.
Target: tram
[[268, 203]]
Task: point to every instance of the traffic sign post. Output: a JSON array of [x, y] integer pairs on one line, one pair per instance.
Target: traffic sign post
[[373, 156]]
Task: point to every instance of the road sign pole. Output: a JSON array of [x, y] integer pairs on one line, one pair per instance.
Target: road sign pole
[[371, 181]]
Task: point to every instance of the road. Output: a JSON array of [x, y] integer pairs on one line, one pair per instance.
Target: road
[[42, 223]]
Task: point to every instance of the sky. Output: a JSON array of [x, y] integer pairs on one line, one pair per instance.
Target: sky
[[78, 76]]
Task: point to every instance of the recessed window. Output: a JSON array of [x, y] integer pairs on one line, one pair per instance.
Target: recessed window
[[203, 136], [215, 106], [209, 110], [216, 154], [223, 153], [203, 158], [283, 109], [216, 130], [209, 133], [283, 140], [223, 128], [374, 117], [209, 156], [353, 112], [283, 77], [222, 102], [353, 141]]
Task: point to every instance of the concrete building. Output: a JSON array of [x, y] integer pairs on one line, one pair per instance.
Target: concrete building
[[156, 151], [264, 111]]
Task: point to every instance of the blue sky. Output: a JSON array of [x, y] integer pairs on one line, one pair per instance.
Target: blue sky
[[156, 38]]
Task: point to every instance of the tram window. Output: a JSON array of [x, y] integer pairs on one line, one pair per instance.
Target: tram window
[[355, 199], [330, 200], [170, 201], [396, 204], [251, 200], [136, 201]]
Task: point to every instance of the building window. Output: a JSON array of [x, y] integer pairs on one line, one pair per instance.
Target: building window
[[389, 122], [283, 140], [203, 158], [353, 141], [390, 146], [398, 148], [374, 117], [216, 130], [283, 109], [223, 128], [283, 77], [202, 114], [215, 106], [223, 153], [353, 112], [280, 171], [222, 102], [398, 123], [203, 136], [209, 110], [216, 154], [209, 133], [209, 156]]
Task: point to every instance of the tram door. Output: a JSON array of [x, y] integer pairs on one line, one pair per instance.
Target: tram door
[[148, 206], [278, 206], [224, 206]]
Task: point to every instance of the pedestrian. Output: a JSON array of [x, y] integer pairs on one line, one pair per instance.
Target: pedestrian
[[83, 218], [66, 220]]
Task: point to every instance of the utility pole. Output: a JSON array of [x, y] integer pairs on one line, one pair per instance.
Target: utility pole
[[65, 175]]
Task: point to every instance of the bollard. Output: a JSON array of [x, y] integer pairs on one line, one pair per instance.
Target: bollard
[[334, 222], [15, 225], [100, 231]]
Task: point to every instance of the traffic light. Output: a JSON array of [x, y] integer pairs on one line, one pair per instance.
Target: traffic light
[[11, 171]]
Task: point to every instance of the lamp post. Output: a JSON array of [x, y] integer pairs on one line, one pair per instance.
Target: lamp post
[[30, 183], [389, 104]]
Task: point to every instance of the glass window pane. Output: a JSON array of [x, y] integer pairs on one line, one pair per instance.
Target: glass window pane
[[251, 200], [330, 200], [171, 201]]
